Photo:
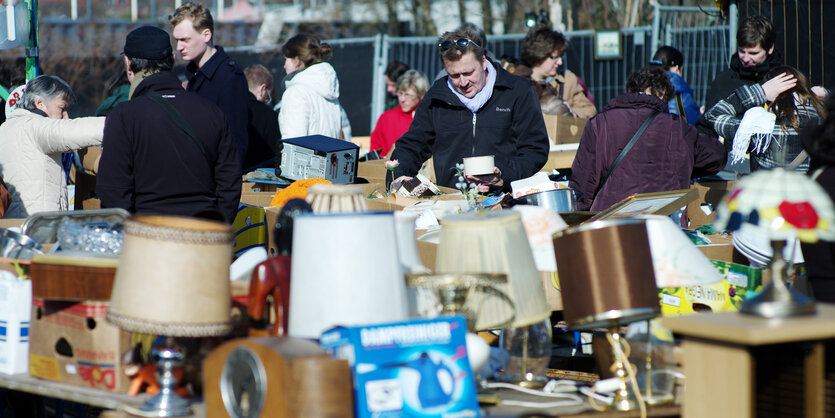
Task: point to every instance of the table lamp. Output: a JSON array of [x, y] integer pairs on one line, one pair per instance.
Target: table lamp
[[607, 280], [172, 281], [346, 271], [495, 242], [676, 260], [782, 205]]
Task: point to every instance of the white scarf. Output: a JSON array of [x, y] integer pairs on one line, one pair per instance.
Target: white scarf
[[757, 123], [480, 98]]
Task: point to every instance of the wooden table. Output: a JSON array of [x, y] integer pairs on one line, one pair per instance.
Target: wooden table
[[744, 366]]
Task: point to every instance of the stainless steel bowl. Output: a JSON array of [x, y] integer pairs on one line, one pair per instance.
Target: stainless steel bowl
[[16, 245], [560, 200]]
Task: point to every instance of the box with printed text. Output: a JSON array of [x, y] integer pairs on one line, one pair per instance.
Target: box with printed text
[[415, 368]]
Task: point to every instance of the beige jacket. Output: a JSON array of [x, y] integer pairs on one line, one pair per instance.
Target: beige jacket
[[573, 95], [30, 158]]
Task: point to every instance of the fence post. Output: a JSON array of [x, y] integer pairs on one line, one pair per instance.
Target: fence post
[[377, 92], [733, 24], [656, 27]]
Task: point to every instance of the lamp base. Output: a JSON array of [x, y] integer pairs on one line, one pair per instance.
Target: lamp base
[[167, 403], [777, 302]]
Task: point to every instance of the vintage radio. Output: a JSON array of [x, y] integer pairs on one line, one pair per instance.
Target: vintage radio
[[318, 156]]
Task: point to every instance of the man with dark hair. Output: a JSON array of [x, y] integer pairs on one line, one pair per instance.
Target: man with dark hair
[[166, 151], [477, 109], [394, 70], [211, 72], [665, 157]]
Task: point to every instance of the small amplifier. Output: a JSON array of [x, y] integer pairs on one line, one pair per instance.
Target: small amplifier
[[319, 156]]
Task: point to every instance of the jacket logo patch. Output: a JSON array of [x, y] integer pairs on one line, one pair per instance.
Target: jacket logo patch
[[500, 109]]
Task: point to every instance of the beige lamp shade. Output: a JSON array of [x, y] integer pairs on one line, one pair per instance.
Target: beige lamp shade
[[173, 277], [336, 198], [495, 242]]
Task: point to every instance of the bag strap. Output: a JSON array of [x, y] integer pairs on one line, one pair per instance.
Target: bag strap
[[799, 159], [179, 121], [625, 151], [680, 107]]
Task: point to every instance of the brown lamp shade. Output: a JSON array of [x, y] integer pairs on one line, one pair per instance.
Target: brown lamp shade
[[606, 274], [173, 277]]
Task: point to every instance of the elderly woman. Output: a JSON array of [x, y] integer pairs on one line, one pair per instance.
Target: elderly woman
[[32, 140], [542, 52], [393, 123]]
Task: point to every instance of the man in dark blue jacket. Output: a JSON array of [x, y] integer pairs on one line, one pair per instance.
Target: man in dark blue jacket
[[477, 109], [212, 73], [166, 150]]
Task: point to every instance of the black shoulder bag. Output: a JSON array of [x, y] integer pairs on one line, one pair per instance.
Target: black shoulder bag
[[680, 107], [625, 151]]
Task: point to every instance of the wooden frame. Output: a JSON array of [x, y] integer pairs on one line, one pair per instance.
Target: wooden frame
[[608, 45], [658, 203]]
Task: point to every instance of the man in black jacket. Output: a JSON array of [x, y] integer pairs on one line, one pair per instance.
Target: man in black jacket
[[166, 151], [212, 73], [264, 136], [477, 109]]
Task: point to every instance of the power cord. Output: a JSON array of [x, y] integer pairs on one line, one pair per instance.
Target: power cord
[[561, 389]]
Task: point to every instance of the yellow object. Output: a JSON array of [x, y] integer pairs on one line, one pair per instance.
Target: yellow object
[[296, 190]]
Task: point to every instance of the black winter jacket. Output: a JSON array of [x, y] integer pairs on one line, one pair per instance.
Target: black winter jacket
[[150, 165], [222, 82], [509, 126], [820, 256]]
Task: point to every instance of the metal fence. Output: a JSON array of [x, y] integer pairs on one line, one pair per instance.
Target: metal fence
[[361, 62]]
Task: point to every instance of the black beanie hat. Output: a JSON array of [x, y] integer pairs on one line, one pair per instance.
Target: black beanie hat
[[148, 42]]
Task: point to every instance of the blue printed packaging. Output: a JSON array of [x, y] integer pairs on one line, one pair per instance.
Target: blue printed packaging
[[416, 368]]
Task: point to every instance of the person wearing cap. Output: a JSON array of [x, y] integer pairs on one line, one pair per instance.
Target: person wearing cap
[[166, 150], [211, 72], [477, 109]]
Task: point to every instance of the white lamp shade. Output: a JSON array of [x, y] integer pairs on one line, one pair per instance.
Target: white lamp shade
[[407, 243], [173, 277], [345, 271], [676, 260], [495, 242]]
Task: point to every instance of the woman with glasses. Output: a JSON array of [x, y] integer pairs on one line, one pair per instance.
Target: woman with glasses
[[542, 64], [33, 138], [310, 103], [393, 123]]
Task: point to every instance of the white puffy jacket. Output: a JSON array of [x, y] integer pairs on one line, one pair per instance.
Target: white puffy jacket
[[30, 158], [310, 103]]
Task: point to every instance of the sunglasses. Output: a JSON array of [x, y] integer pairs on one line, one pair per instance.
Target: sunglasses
[[461, 43]]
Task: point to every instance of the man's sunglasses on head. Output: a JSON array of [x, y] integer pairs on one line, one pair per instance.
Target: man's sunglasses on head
[[461, 43]]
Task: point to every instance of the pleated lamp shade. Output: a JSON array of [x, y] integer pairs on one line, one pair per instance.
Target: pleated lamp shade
[[346, 271], [173, 277], [606, 274], [495, 242], [335, 198]]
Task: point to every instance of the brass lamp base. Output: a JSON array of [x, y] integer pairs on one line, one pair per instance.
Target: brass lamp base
[[777, 300]]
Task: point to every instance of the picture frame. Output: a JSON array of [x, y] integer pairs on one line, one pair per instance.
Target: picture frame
[[658, 203], [608, 45]]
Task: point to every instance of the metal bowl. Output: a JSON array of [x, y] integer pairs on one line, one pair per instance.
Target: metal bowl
[[16, 245], [560, 200]]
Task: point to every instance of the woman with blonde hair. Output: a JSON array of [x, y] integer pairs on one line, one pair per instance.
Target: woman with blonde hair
[[771, 135], [393, 123], [310, 103]]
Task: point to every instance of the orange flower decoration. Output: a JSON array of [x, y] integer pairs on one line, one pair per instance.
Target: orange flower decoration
[[296, 190]]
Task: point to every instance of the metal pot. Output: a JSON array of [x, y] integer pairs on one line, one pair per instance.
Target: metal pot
[[559, 200], [17, 245]]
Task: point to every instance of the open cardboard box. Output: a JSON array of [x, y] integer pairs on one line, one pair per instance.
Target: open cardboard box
[[564, 129]]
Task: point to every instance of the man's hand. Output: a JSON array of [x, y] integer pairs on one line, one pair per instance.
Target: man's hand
[[494, 181], [395, 185], [777, 85]]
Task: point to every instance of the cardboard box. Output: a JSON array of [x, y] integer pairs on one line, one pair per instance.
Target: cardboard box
[[739, 283], [372, 169], [15, 312], [564, 129], [559, 160], [702, 211], [416, 368], [71, 342], [722, 248]]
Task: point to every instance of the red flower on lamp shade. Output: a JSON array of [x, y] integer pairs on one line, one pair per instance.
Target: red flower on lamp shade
[[802, 214]]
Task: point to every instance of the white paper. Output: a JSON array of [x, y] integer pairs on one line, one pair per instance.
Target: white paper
[[15, 313]]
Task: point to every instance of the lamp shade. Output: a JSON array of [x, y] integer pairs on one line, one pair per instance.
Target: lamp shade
[[676, 260], [780, 204], [173, 277], [329, 198], [346, 271], [495, 242], [606, 273]]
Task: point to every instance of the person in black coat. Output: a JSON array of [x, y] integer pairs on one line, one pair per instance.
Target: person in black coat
[[166, 150], [264, 149], [211, 72], [819, 142]]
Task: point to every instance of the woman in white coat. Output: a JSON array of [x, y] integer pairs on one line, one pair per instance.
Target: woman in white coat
[[31, 143], [310, 103]]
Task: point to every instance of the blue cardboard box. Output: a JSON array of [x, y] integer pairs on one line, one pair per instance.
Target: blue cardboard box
[[416, 368]]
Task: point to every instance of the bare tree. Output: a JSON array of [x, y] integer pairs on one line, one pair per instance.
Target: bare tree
[[462, 11], [393, 25], [487, 16], [423, 18]]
